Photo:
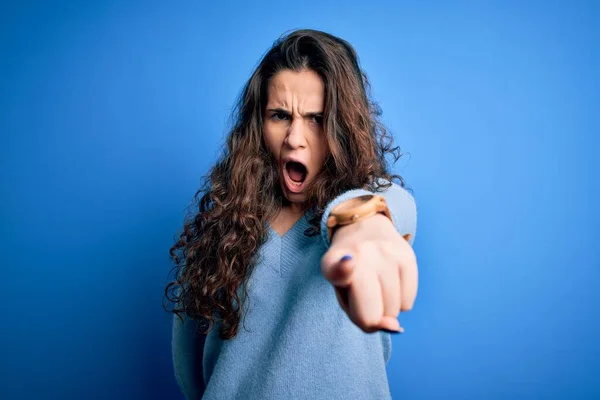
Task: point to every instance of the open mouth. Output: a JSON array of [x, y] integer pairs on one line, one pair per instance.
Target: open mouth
[[295, 174]]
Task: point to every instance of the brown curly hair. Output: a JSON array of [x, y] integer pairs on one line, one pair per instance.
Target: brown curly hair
[[215, 254]]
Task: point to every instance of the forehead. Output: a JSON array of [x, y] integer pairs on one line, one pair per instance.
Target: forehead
[[289, 88]]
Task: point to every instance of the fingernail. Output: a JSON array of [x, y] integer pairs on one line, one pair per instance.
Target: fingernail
[[393, 332], [347, 257]]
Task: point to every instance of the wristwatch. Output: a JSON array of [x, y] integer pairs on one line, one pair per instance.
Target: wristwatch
[[356, 209]]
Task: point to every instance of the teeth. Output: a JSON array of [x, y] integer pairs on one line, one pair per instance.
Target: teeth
[[294, 183]]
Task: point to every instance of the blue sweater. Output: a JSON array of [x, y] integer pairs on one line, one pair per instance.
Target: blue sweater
[[294, 341]]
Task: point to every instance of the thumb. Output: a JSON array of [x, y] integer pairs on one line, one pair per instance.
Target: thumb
[[338, 271]]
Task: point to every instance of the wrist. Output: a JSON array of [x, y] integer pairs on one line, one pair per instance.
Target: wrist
[[370, 226], [355, 210]]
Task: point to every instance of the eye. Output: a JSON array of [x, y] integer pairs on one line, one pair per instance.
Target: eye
[[318, 119], [279, 116]]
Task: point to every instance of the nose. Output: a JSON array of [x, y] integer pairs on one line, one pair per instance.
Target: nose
[[296, 137]]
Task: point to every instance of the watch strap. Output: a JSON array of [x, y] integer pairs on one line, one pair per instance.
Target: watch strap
[[366, 206]]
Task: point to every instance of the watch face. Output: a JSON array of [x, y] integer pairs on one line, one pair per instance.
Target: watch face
[[365, 198], [355, 202]]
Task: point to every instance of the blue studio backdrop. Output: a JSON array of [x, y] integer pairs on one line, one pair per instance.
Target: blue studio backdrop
[[111, 111]]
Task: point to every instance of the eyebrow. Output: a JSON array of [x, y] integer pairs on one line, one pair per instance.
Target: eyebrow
[[305, 115]]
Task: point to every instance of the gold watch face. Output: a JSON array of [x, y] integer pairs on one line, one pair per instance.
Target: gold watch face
[[366, 197], [355, 202]]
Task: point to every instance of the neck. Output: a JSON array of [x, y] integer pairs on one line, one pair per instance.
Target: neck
[[289, 207], [287, 216], [296, 209]]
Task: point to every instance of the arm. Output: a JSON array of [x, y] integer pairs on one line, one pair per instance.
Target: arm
[[187, 350], [370, 264], [400, 203]]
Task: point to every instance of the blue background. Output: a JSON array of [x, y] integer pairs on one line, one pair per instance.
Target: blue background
[[110, 112]]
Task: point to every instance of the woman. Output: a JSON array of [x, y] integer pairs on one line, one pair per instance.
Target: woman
[[276, 297]]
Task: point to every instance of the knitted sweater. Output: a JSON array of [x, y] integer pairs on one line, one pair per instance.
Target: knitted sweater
[[295, 341]]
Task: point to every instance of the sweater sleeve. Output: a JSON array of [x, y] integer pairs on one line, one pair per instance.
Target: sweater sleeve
[[400, 203], [187, 351]]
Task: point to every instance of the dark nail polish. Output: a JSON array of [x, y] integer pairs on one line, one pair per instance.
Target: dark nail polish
[[347, 257], [392, 332]]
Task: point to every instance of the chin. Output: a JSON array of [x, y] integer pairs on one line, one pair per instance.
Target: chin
[[294, 197]]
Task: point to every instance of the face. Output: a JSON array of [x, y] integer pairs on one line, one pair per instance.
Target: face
[[293, 129]]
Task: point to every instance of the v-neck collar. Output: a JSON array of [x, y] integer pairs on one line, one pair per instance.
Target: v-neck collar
[[299, 225]]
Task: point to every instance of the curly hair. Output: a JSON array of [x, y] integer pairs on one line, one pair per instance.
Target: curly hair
[[216, 252]]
